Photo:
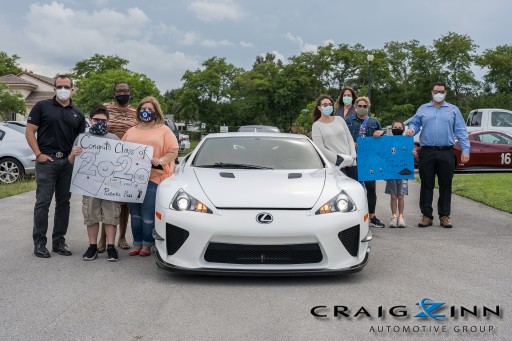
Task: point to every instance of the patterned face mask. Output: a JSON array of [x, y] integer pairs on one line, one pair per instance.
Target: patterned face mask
[[99, 127], [146, 115]]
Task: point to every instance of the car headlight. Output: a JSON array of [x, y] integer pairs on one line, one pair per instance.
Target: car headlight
[[340, 203], [183, 201]]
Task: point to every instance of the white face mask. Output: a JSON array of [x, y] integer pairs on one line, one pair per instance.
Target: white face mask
[[63, 94], [439, 97]]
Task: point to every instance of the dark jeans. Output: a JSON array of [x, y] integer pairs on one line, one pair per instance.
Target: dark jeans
[[143, 217], [52, 177], [371, 194], [442, 164]]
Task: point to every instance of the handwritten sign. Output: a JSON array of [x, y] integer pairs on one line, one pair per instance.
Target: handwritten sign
[[385, 158], [111, 169]]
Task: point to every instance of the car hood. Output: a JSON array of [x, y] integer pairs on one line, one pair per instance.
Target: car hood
[[261, 188]]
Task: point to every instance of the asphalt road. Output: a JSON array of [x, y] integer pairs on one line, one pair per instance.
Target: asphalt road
[[66, 298]]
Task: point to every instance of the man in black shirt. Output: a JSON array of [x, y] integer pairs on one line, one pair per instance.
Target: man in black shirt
[[57, 123]]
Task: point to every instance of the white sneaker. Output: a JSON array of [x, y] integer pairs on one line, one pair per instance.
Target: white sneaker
[[393, 222], [401, 223]]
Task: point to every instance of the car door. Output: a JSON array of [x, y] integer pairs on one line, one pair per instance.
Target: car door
[[496, 150]]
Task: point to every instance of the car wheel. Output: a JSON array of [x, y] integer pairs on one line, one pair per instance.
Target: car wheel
[[11, 170]]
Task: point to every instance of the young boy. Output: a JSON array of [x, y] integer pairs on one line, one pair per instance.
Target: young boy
[[397, 188], [97, 210]]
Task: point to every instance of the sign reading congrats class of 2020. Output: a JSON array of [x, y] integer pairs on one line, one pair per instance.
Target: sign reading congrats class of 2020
[[385, 158], [111, 169]]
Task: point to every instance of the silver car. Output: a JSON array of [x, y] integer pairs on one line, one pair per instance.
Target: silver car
[[16, 157]]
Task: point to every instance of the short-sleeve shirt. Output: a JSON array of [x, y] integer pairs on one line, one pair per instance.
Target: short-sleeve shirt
[[120, 119], [58, 126], [161, 139]]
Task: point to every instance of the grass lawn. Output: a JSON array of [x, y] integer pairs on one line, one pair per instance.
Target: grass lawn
[[491, 189], [22, 186]]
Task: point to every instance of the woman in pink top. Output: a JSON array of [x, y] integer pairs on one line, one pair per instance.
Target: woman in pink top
[[150, 131]]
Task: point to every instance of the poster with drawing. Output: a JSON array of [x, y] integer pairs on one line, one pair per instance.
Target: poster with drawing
[[385, 158], [111, 169]]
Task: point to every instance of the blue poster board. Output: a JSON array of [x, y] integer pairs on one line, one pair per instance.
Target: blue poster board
[[385, 158]]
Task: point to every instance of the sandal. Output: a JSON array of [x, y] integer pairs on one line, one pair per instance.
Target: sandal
[[123, 244], [145, 251], [135, 251]]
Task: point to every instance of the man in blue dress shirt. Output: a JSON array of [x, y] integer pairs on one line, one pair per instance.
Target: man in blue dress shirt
[[438, 121]]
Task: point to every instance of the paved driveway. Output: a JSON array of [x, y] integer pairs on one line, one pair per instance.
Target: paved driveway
[[69, 299]]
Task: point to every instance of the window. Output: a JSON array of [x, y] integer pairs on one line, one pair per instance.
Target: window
[[494, 138], [475, 119], [501, 119]]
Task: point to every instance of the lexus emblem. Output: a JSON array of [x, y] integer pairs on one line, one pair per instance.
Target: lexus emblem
[[264, 218]]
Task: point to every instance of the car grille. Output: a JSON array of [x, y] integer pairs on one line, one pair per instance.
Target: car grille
[[176, 236], [350, 240], [263, 254]]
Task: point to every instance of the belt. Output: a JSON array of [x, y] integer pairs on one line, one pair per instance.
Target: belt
[[58, 155], [437, 147]]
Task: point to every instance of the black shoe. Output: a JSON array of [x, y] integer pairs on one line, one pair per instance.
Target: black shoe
[[375, 222], [91, 253], [41, 251], [62, 249], [112, 254]]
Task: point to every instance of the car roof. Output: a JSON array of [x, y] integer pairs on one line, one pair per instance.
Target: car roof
[[255, 134], [260, 127]]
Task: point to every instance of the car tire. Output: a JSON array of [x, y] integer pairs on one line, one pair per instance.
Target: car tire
[[11, 170]]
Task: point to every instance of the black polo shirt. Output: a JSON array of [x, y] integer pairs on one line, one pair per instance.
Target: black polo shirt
[[58, 126]]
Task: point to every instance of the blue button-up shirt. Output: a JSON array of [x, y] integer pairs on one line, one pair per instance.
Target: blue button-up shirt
[[438, 125]]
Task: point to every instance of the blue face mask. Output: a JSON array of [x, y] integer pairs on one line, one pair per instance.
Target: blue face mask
[[99, 127], [146, 115], [327, 111]]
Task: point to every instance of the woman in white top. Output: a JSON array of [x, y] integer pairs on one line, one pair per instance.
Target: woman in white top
[[331, 135]]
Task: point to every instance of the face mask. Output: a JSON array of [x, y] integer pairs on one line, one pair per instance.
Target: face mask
[[99, 128], [63, 94], [122, 99], [397, 131], [146, 115], [362, 112], [347, 100], [439, 97], [327, 111]]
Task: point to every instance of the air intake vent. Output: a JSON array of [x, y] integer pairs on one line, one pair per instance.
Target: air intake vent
[[350, 240], [263, 254], [176, 236]]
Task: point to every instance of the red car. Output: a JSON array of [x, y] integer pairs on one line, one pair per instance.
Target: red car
[[490, 150]]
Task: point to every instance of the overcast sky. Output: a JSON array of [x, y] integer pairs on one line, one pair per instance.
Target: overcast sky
[[164, 38]]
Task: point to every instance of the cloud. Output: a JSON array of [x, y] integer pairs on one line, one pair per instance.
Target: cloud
[[209, 10], [60, 36], [216, 43], [303, 47], [245, 44]]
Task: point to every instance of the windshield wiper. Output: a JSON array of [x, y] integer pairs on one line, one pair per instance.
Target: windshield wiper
[[234, 166]]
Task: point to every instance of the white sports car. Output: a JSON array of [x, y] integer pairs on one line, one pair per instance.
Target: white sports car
[[260, 204]]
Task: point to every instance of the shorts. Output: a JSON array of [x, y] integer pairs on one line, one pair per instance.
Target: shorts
[[397, 187], [100, 211]]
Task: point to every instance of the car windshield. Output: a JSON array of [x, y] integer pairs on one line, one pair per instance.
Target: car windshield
[[256, 152], [495, 138], [18, 127]]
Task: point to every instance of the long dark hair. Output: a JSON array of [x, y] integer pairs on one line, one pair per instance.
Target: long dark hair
[[339, 101], [316, 111]]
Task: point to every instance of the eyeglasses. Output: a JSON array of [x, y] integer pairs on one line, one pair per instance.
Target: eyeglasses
[[122, 92], [99, 120], [63, 87], [362, 106], [438, 91], [325, 105]]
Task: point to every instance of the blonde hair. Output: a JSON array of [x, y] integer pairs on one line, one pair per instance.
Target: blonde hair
[[159, 119], [364, 99]]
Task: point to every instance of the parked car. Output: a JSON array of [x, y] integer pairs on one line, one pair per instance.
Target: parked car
[[258, 129], [260, 204], [490, 119], [490, 150], [170, 123], [16, 157]]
